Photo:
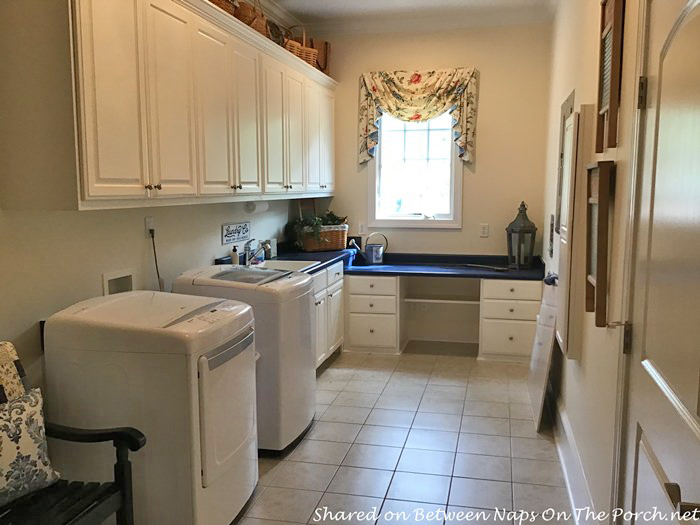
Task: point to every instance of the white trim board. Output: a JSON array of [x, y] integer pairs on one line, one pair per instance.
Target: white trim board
[[574, 475]]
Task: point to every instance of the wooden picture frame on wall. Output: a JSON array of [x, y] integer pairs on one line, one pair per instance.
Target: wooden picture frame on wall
[[601, 184], [612, 13]]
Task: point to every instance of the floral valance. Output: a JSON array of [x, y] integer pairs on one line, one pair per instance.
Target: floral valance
[[417, 96]]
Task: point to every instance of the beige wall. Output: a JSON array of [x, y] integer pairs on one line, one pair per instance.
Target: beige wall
[[589, 387], [514, 63]]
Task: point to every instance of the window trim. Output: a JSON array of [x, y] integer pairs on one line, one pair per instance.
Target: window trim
[[455, 195]]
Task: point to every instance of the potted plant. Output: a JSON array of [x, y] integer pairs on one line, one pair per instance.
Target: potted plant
[[318, 233]]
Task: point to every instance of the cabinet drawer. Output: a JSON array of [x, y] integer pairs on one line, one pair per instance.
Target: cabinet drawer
[[320, 281], [372, 330], [502, 309], [521, 290], [507, 337], [372, 304], [363, 285], [335, 273]]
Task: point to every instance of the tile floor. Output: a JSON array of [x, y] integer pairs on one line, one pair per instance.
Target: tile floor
[[400, 433]]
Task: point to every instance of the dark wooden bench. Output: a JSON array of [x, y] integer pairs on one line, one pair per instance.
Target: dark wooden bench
[[81, 503]]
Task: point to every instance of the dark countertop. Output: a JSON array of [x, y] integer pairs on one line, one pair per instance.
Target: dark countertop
[[326, 258]]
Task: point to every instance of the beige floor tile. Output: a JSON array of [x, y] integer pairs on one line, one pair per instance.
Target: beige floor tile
[[534, 449], [361, 482], [330, 431], [320, 409], [485, 425], [430, 421], [538, 472], [349, 505], [496, 394], [258, 521], [372, 375], [370, 387], [478, 493], [339, 414], [537, 498], [440, 405], [448, 379], [469, 516], [336, 374], [526, 429], [284, 505], [331, 384], [432, 440], [391, 418], [398, 402], [395, 512], [456, 393], [426, 461], [372, 456], [485, 409], [265, 467], [378, 435], [425, 488], [520, 411], [303, 476], [327, 452], [355, 399], [477, 466], [326, 397], [482, 444], [412, 390]]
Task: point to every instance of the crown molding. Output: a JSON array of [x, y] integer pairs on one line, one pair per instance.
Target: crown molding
[[279, 14]]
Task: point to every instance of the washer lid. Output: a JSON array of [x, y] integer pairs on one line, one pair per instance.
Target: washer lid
[[249, 275], [144, 309]]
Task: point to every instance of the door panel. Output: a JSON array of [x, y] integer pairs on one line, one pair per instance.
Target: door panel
[[294, 98], [170, 99], [273, 102], [663, 429], [313, 138], [327, 133], [335, 316], [246, 63], [109, 78], [213, 85], [321, 327]]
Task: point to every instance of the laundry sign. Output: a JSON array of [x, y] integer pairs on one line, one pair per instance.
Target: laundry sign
[[235, 232]]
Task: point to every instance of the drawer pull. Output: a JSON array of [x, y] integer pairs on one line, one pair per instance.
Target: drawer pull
[[371, 330], [512, 290], [337, 274], [371, 305], [510, 338], [511, 310]]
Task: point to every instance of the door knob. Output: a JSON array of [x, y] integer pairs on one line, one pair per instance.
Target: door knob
[[689, 510]]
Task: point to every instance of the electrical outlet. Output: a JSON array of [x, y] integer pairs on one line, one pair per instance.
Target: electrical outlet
[[150, 225], [362, 227], [484, 229]]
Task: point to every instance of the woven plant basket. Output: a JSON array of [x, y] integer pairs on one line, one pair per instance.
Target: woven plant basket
[[332, 238], [252, 15], [306, 53], [227, 5]]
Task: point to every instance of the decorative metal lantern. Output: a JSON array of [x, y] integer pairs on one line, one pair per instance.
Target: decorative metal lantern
[[521, 240]]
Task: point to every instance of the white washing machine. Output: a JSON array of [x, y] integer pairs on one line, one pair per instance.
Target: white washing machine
[[286, 373], [179, 368]]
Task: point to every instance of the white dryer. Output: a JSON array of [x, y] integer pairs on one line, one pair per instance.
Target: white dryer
[[286, 373], [179, 368]]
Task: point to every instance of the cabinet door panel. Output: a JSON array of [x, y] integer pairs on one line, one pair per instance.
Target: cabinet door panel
[[273, 101], [313, 139], [170, 98], [246, 63], [335, 316], [321, 327], [111, 113], [327, 139], [212, 84], [294, 84]]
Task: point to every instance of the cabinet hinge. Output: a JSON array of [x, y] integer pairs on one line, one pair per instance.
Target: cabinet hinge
[[642, 90]]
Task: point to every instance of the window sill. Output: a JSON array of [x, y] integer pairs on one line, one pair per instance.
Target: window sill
[[452, 224]]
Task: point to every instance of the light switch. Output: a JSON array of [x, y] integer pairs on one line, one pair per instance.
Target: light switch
[[484, 229]]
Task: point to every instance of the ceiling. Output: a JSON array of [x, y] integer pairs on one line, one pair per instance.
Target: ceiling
[[359, 15]]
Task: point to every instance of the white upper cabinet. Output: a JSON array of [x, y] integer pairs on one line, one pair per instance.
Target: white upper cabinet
[[312, 106], [246, 118], [170, 99], [212, 50], [274, 125], [111, 113], [294, 113], [327, 139]]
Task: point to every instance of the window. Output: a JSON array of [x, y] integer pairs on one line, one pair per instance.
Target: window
[[415, 171]]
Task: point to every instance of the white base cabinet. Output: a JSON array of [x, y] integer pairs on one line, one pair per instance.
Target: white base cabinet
[[330, 311]]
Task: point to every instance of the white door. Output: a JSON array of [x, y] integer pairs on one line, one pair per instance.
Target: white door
[[568, 181], [327, 134], [312, 105], [321, 327], [213, 93], [663, 420], [274, 126], [170, 99], [294, 98], [335, 316], [246, 108], [110, 58]]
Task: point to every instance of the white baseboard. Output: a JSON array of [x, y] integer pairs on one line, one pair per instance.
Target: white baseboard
[[576, 483]]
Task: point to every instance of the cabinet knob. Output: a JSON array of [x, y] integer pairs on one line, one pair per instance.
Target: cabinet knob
[[510, 338], [371, 330], [371, 286], [512, 290], [240, 186], [158, 186], [371, 305], [149, 186], [511, 310]]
